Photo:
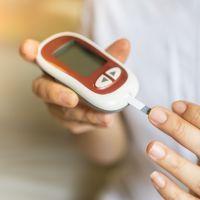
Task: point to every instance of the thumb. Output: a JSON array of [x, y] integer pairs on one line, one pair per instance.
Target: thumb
[[28, 49], [120, 49]]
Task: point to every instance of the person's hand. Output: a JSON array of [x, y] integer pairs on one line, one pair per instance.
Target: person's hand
[[184, 126], [62, 102]]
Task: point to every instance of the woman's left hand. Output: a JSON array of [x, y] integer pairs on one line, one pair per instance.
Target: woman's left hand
[[184, 126]]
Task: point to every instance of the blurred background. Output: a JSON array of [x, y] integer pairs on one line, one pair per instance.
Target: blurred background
[[38, 159], [39, 18]]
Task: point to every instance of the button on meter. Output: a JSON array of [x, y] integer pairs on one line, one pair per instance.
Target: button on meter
[[114, 73], [103, 82]]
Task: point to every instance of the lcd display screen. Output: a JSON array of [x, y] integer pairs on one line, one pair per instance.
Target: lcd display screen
[[79, 58]]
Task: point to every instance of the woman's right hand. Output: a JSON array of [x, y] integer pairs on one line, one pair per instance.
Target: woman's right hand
[[62, 102]]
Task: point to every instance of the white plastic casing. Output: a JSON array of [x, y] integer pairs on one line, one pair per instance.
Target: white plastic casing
[[111, 102]]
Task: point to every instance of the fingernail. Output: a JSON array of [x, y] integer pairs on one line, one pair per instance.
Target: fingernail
[[157, 116], [158, 180], [156, 152], [179, 107], [67, 99]]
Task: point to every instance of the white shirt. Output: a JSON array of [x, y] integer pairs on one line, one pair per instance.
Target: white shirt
[[165, 35]]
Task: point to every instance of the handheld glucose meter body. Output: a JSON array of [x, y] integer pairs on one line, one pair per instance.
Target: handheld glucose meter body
[[92, 73]]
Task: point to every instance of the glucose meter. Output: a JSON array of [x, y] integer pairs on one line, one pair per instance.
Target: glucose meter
[[97, 77]]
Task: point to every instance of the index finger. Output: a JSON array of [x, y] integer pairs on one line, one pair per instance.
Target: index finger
[[188, 111], [176, 127], [28, 49]]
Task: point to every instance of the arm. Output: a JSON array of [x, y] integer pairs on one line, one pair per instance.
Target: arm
[[101, 136]]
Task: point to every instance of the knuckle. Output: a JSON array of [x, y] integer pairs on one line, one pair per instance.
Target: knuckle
[[85, 114], [48, 95], [176, 164], [90, 116], [45, 89], [178, 129], [196, 115], [50, 92], [76, 114]]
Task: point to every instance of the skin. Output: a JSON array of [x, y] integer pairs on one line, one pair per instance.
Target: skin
[[183, 125], [95, 131]]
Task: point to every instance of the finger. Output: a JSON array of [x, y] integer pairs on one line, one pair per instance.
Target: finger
[[187, 172], [28, 49], [120, 49], [188, 111], [181, 130], [55, 93], [167, 189], [76, 128], [81, 114]]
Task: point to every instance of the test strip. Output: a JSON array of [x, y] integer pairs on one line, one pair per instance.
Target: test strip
[[139, 105]]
